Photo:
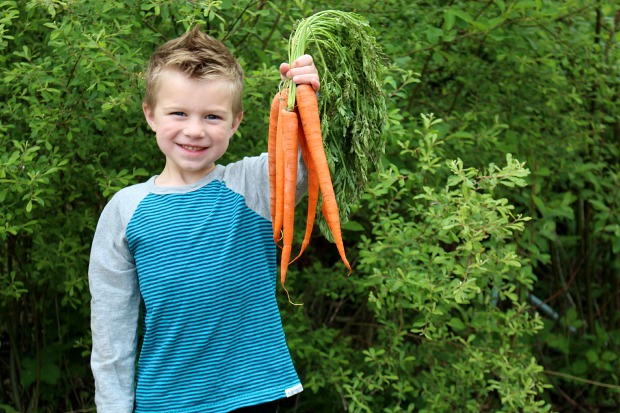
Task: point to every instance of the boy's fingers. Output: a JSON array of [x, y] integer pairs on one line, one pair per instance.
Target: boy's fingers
[[311, 79], [316, 84], [301, 71], [302, 65], [284, 69], [304, 70], [303, 60]]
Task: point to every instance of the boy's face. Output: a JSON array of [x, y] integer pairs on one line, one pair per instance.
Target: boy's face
[[193, 122]]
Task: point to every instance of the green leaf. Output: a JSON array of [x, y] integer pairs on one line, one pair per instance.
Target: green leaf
[[448, 18], [457, 324], [353, 226], [599, 205], [8, 409]]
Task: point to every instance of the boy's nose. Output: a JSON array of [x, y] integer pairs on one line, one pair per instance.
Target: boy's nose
[[193, 128]]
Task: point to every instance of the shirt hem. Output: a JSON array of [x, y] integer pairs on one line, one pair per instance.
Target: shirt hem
[[254, 398]]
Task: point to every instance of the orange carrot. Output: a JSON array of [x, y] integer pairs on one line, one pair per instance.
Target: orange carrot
[[313, 190], [279, 166], [307, 105], [289, 132], [271, 150]]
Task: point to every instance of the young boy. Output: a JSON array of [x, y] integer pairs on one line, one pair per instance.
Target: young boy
[[193, 247]]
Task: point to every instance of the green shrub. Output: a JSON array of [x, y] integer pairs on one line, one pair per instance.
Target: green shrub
[[437, 314]]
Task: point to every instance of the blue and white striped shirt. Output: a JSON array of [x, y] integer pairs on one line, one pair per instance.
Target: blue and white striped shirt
[[202, 262]]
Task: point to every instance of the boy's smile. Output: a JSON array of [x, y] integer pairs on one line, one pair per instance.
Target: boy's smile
[[193, 122]]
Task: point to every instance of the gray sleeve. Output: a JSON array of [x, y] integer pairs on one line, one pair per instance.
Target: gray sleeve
[[250, 178], [115, 308]]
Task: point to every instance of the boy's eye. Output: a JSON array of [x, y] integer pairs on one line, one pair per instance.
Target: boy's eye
[[212, 117], [178, 113]]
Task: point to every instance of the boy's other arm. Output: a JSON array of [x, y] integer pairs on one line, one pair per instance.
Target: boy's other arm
[[115, 308], [250, 178]]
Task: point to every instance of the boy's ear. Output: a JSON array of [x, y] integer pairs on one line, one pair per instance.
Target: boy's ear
[[237, 122], [148, 115]]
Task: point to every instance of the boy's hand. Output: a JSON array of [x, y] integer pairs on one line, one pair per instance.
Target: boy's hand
[[301, 71]]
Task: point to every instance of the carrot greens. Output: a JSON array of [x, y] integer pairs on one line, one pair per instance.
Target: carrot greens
[[351, 99]]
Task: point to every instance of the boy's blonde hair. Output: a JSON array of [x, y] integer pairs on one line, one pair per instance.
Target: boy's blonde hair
[[199, 57]]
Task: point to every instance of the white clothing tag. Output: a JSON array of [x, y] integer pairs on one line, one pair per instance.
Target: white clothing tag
[[294, 390]]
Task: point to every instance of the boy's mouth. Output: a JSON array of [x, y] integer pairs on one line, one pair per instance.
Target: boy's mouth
[[193, 148]]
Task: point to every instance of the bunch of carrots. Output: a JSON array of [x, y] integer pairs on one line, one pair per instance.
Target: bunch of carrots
[[290, 130], [346, 130]]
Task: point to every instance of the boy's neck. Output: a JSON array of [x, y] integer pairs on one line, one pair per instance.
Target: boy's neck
[[167, 178]]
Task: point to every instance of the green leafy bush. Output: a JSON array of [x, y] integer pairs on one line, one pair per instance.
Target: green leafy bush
[[452, 244], [446, 323]]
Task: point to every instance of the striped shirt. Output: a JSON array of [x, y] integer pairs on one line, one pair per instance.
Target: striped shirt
[[201, 262]]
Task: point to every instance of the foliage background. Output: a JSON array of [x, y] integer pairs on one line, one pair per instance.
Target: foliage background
[[486, 252]]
